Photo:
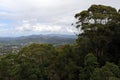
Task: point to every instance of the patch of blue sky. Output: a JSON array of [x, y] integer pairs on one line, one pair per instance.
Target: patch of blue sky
[[7, 23]]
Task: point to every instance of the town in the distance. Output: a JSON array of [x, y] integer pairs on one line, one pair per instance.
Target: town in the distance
[[14, 44]]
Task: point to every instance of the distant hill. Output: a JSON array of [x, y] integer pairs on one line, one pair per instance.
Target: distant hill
[[56, 39]]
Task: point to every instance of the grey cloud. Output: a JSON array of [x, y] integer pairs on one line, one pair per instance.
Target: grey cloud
[[57, 13]]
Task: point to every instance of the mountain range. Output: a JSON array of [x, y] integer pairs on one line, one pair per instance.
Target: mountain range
[[56, 39]]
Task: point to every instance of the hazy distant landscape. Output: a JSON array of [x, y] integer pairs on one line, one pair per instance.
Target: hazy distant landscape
[[14, 44], [55, 39]]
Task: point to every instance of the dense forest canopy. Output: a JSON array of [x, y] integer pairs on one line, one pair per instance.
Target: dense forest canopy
[[94, 56]]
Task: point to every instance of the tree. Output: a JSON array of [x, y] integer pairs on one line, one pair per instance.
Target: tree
[[7, 63], [33, 60], [64, 66], [89, 65], [108, 72], [114, 45], [95, 26]]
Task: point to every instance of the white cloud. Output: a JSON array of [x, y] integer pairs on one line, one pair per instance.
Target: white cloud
[[55, 16], [43, 28]]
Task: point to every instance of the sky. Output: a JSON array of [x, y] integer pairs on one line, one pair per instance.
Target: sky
[[28, 17]]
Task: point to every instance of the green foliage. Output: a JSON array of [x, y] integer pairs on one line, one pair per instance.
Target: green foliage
[[87, 59], [64, 67], [6, 65], [101, 27], [34, 59], [91, 60], [108, 72], [89, 65]]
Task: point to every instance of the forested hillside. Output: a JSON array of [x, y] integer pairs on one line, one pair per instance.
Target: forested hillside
[[95, 55], [55, 39], [14, 44]]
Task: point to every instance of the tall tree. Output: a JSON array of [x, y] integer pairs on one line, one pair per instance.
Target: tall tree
[[99, 27]]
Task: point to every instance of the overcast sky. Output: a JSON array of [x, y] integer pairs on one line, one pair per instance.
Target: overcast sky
[[26, 17]]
